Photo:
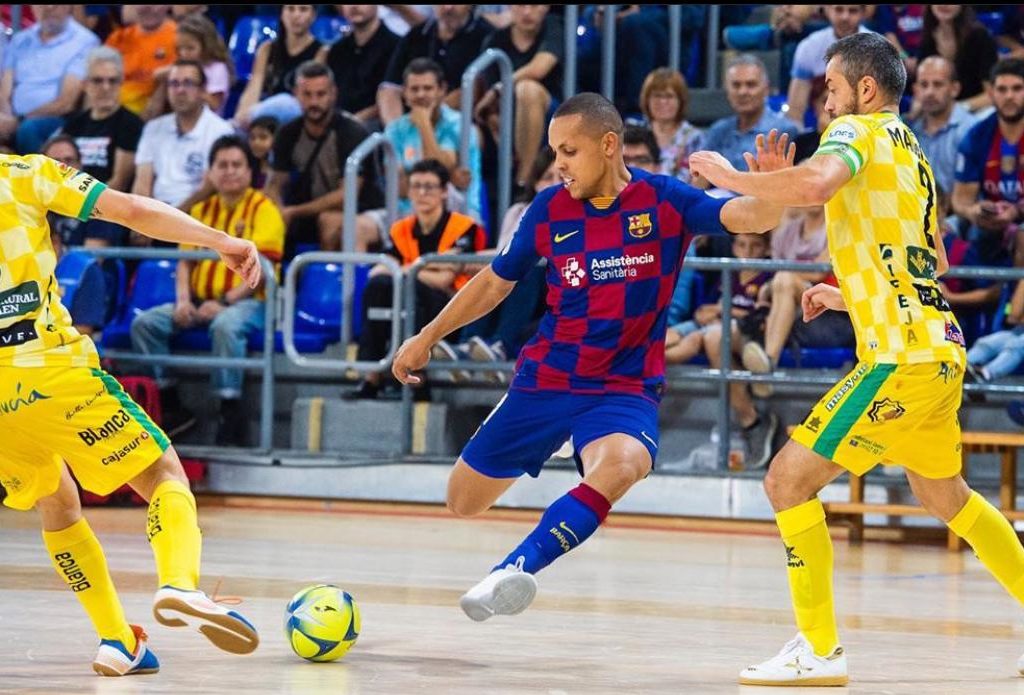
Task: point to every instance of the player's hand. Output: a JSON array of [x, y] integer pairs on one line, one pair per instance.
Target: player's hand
[[771, 153], [411, 357], [242, 257], [712, 166], [816, 300]]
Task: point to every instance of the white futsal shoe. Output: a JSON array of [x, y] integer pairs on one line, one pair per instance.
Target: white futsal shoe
[[506, 591], [797, 664]]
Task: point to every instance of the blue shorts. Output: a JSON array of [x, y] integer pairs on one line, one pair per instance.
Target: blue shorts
[[527, 427]]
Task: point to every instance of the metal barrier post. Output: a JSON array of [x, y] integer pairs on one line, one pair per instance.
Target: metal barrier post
[[572, 22], [711, 54], [409, 302], [724, 419], [608, 30], [675, 28], [346, 259], [506, 116], [351, 209]]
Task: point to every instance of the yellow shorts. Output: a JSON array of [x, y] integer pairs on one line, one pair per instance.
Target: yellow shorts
[[74, 414], [892, 414]]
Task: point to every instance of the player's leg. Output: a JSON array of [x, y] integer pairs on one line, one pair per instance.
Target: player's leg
[[470, 492], [814, 657], [172, 528], [78, 558]]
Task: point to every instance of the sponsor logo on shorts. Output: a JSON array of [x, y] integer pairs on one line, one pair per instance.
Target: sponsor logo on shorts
[[79, 407], [72, 572], [886, 409], [20, 300], [119, 454], [18, 333], [847, 386], [873, 448], [21, 400], [114, 424]]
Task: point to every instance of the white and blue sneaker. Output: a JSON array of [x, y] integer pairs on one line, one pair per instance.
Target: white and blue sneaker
[[505, 591], [227, 629], [797, 665], [114, 659]]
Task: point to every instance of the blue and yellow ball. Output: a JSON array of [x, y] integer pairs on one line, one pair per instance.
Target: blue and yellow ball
[[321, 623]]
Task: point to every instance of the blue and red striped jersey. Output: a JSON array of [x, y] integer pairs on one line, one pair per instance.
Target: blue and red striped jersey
[[610, 276]]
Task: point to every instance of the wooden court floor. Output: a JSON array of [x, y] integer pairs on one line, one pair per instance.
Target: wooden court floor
[[636, 610]]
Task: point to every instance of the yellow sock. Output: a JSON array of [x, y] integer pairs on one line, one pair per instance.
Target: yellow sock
[[77, 556], [173, 532], [809, 562], [994, 542]]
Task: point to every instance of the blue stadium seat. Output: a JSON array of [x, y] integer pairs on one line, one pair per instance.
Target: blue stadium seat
[[249, 32], [69, 272], [329, 29], [153, 285], [993, 21]]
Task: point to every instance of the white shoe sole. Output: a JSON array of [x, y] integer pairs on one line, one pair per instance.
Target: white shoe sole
[[823, 681], [510, 596], [224, 631]]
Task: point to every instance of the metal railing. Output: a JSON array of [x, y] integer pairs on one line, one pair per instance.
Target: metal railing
[[264, 363], [572, 21], [506, 116], [345, 259], [391, 166], [608, 35]]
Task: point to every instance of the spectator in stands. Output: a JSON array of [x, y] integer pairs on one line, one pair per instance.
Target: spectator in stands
[[746, 86], [1011, 39], [953, 32], [309, 164], [944, 122], [401, 18], [791, 24], [433, 130], [42, 77], [198, 40], [534, 42], [989, 191], [274, 69], [452, 38], [493, 338], [171, 162], [208, 294], [147, 46], [640, 149], [704, 334], [808, 75], [106, 133], [903, 25], [92, 302], [663, 100], [360, 61], [432, 228], [999, 354], [641, 42], [261, 142]]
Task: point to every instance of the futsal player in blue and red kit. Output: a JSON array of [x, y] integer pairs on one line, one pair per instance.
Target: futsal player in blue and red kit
[[614, 240]]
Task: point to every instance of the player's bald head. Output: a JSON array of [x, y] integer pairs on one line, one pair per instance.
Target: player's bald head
[[598, 115]]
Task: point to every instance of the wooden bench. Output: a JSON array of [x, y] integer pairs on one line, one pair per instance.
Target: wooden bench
[[1005, 444]]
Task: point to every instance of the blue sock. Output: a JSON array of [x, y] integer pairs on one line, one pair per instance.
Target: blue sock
[[570, 520]]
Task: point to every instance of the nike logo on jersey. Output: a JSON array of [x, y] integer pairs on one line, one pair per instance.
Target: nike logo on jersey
[[559, 238]]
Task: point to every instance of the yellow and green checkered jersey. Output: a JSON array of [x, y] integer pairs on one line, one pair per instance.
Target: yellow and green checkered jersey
[[35, 329], [882, 228]]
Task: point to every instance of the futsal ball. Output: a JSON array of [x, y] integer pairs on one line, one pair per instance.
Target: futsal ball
[[321, 623]]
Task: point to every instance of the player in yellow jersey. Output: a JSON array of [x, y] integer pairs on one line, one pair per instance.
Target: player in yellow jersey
[[899, 404], [59, 409]]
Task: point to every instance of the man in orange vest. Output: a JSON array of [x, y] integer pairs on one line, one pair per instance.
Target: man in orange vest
[[432, 228]]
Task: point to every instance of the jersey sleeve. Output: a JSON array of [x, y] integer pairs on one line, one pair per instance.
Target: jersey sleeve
[[701, 212], [520, 254], [64, 190], [849, 140]]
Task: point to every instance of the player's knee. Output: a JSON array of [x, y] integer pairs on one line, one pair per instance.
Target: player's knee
[[463, 506], [779, 488]]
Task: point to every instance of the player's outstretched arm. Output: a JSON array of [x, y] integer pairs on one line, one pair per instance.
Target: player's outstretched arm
[[158, 220], [816, 300], [746, 215], [814, 182], [479, 296]]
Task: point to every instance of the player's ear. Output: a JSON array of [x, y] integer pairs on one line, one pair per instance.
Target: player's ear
[[610, 143]]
